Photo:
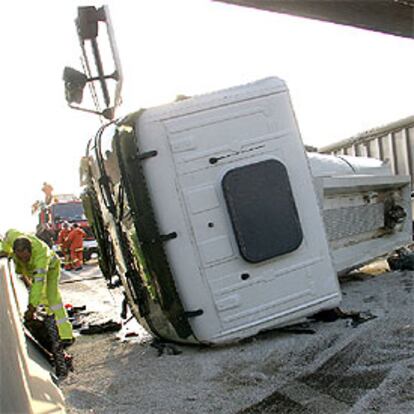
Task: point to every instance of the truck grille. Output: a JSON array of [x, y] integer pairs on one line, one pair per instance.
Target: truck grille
[[350, 221]]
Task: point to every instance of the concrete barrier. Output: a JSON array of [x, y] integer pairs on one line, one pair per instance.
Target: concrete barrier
[[26, 385]]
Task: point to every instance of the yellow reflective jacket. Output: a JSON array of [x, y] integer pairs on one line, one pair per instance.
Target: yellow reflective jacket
[[37, 267], [11, 236]]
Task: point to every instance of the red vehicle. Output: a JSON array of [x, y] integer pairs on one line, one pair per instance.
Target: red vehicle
[[65, 207]]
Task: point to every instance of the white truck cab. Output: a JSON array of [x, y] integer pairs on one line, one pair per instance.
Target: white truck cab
[[214, 218]]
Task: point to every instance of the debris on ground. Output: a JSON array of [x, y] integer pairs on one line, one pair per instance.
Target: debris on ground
[[73, 310], [131, 335], [165, 347], [77, 315], [99, 328], [331, 315], [299, 329], [335, 370], [403, 259]]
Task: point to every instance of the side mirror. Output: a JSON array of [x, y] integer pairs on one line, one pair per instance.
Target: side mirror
[[87, 25], [75, 82], [87, 21]]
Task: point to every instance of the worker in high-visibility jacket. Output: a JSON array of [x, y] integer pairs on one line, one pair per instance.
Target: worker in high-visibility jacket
[[63, 243], [75, 240], [40, 265]]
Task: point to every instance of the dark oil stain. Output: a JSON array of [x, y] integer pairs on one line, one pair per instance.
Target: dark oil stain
[[407, 284], [337, 379], [276, 403]]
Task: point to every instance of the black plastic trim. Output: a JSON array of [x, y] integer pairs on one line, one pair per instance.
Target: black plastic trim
[[144, 155], [194, 313], [147, 230]]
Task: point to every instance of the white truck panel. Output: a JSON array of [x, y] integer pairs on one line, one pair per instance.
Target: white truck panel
[[198, 142]]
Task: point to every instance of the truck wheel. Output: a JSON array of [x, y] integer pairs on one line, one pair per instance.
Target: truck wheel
[[86, 256]]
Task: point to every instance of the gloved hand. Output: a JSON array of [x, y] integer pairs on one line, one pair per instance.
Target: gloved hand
[[29, 314]]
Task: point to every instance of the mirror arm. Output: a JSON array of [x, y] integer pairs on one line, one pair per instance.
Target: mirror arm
[[113, 76], [107, 113], [99, 68]]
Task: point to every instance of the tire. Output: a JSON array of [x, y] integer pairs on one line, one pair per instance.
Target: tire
[[86, 256]]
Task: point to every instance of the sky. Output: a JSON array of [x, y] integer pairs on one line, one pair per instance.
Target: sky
[[342, 80]]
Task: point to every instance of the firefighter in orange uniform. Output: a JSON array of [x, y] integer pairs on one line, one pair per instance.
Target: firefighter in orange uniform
[[64, 245], [75, 241], [48, 190]]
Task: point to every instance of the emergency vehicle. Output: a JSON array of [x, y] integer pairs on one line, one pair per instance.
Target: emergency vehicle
[[66, 208]]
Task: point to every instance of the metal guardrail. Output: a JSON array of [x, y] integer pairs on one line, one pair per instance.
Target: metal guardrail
[[393, 143]]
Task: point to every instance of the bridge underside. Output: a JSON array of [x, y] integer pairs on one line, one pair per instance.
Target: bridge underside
[[394, 17]]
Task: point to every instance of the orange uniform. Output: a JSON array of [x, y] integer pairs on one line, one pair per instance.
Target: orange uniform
[[63, 243], [75, 240], [48, 190]]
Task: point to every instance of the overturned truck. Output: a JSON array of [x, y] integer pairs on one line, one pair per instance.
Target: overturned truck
[[217, 222]]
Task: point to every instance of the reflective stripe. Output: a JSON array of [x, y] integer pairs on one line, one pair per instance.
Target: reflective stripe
[[40, 271], [39, 279], [79, 250], [62, 320], [56, 307]]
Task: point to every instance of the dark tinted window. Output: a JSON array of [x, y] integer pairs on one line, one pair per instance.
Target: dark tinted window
[[262, 210], [68, 211]]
